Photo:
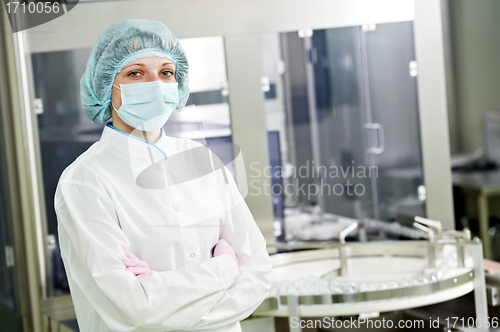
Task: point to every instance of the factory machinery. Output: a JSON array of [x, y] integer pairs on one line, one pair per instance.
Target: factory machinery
[[364, 279]]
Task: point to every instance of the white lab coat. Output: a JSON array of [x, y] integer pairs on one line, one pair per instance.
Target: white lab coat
[[102, 213]]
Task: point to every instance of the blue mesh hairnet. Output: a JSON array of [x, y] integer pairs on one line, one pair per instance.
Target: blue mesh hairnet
[[117, 46]]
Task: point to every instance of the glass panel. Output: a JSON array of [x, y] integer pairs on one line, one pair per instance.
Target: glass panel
[[344, 104], [207, 111], [7, 295], [206, 118], [317, 128], [66, 132], [394, 105], [338, 86]]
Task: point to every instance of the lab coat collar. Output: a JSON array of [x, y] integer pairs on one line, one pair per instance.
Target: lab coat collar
[[132, 145]]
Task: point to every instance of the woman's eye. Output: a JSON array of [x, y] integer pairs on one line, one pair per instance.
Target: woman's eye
[[134, 73], [168, 73]]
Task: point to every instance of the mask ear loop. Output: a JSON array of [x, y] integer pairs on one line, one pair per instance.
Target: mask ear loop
[[112, 98]]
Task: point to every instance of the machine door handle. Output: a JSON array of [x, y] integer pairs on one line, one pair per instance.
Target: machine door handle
[[380, 138]]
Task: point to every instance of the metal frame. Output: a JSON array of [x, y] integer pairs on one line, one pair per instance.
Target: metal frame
[[454, 122], [433, 109], [13, 207], [427, 289], [24, 169], [290, 305], [248, 127], [198, 18]]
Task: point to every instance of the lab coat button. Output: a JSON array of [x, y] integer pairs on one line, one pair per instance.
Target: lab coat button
[[177, 208], [192, 254]]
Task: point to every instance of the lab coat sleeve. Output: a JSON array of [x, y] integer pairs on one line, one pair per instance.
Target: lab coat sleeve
[[254, 283], [93, 242]]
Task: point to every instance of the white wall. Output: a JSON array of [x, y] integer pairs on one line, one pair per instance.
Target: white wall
[[475, 37]]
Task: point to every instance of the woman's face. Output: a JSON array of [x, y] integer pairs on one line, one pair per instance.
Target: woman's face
[[143, 70]]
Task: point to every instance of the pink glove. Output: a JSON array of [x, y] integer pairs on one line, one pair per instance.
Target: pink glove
[[222, 247], [135, 265]]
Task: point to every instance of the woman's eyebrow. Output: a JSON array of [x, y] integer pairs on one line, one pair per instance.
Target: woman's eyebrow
[[143, 65], [134, 64]]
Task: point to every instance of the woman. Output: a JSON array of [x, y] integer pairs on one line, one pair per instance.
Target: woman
[[162, 254]]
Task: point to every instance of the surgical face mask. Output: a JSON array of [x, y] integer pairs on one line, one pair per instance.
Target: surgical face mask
[[147, 106]]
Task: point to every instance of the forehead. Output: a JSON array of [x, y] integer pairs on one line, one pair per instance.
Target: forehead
[[150, 62]]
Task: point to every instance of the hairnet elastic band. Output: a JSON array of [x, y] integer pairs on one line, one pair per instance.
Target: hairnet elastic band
[[144, 53]]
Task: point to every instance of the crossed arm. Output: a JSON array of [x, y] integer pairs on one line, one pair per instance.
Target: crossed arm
[[211, 295]]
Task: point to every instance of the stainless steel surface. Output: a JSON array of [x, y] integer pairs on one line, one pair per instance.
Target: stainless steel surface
[[357, 249], [480, 298], [435, 233], [313, 118], [431, 252], [59, 308], [9, 100], [23, 173], [461, 253], [30, 149], [248, 126], [342, 249], [422, 249], [368, 118], [450, 77], [459, 281], [294, 312], [423, 228], [287, 104], [389, 294], [429, 222], [429, 47], [380, 138], [484, 222], [347, 231], [492, 279], [296, 83], [425, 249], [343, 261], [218, 17], [492, 293], [9, 291], [354, 309], [461, 277]]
